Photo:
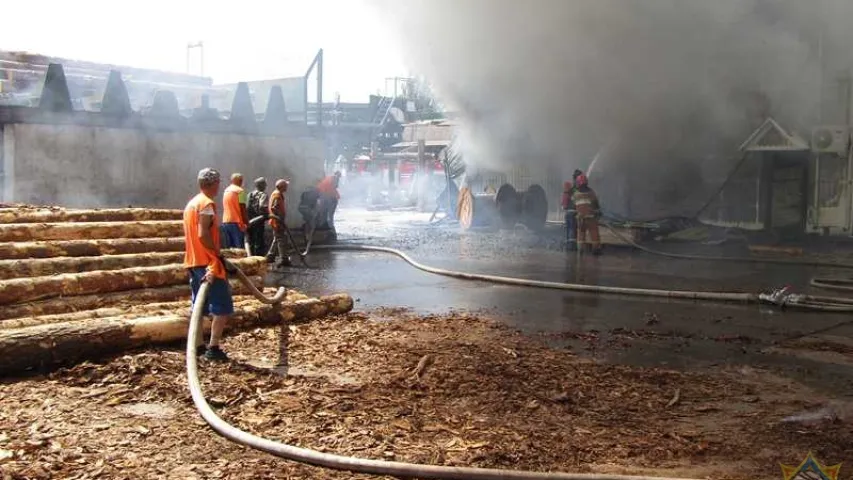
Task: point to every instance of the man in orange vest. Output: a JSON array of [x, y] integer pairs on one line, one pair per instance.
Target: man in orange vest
[[278, 212], [202, 260], [329, 196], [235, 219]]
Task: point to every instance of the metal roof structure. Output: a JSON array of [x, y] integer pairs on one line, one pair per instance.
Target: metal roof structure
[[771, 137]]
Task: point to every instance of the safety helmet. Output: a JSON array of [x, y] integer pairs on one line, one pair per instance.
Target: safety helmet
[[581, 180]]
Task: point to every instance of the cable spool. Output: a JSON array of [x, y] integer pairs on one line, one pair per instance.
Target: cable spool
[[476, 209], [534, 208], [508, 203]]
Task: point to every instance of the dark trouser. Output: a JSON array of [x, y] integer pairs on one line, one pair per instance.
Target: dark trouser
[[330, 204], [279, 246], [231, 236], [571, 230], [256, 239]]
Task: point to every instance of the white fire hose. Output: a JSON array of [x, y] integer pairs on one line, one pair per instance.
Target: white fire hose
[[401, 469], [341, 462]]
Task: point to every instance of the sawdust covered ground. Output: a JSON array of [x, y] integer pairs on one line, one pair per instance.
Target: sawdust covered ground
[[454, 390]]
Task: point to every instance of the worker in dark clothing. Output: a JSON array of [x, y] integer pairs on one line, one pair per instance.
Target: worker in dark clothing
[[570, 213], [310, 206], [588, 213], [569, 209], [278, 218], [258, 207]]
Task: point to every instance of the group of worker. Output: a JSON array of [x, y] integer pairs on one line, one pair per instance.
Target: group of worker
[[582, 212], [244, 216], [206, 234]]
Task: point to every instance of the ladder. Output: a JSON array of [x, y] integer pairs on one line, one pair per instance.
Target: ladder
[[382, 112]]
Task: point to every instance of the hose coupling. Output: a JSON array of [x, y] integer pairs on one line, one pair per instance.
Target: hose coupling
[[781, 297]]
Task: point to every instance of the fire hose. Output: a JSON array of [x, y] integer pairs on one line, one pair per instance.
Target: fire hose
[[782, 297], [340, 462], [402, 469]]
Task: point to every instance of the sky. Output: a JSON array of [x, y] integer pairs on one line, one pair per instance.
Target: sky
[[246, 40]]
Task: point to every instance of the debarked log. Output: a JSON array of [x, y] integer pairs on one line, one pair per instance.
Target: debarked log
[[126, 299], [35, 232], [68, 342], [22, 290], [89, 248], [38, 267], [30, 215], [142, 310]]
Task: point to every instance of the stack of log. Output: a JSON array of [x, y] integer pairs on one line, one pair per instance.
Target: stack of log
[[78, 284]]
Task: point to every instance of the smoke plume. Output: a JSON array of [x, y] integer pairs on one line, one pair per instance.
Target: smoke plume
[[672, 87]]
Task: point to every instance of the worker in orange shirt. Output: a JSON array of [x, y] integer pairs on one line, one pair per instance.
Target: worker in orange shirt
[[235, 218], [278, 212], [202, 260], [329, 196], [588, 212]]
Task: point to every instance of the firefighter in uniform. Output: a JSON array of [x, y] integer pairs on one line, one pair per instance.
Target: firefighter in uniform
[[588, 213], [570, 213], [569, 209]]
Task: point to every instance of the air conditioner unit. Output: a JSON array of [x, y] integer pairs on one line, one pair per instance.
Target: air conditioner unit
[[830, 139]]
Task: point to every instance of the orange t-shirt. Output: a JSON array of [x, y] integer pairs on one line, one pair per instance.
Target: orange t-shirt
[[197, 255], [327, 187], [281, 211], [231, 201]]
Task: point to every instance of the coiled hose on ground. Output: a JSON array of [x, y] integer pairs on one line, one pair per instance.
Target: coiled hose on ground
[[340, 462]]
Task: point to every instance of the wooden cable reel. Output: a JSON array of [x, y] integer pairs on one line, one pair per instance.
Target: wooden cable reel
[[534, 208], [508, 203], [476, 209], [504, 208]]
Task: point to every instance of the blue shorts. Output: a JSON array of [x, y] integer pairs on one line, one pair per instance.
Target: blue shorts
[[219, 301], [232, 237]]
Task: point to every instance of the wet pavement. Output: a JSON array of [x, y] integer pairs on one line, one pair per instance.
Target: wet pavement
[[635, 330]]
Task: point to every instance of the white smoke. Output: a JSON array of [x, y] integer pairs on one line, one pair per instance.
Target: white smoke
[[670, 82]]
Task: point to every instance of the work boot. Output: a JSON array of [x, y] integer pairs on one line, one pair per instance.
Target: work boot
[[215, 354], [200, 350], [285, 262]]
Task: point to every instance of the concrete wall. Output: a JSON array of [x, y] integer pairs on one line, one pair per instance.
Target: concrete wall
[[88, 166]]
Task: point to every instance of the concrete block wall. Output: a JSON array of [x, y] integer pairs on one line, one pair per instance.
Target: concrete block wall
[[97, 166]]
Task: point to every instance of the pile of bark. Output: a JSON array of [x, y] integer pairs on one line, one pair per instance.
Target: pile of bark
[[77, 284]]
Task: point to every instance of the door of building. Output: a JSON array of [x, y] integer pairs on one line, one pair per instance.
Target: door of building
[[789, 192]]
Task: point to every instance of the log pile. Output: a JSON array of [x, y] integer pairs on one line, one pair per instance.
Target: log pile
[[79, 284]]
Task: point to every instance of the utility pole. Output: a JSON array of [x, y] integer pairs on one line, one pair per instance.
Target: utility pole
[[200, 46]]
